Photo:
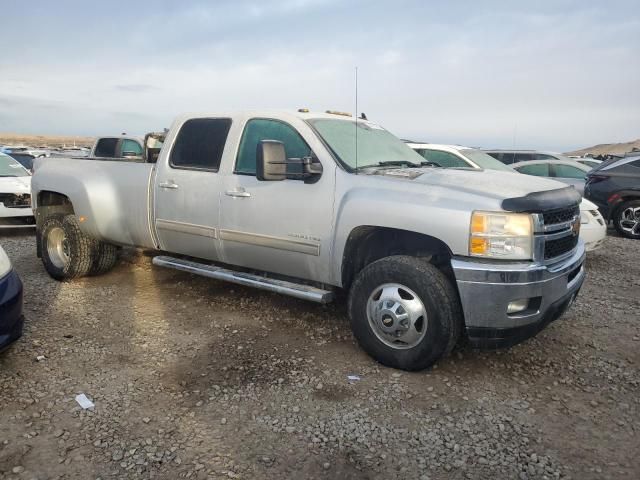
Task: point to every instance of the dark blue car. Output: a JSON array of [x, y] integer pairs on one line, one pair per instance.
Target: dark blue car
[[11, 319]]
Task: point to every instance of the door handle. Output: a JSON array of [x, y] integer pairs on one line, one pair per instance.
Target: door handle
[[240, 192], [168, 184]]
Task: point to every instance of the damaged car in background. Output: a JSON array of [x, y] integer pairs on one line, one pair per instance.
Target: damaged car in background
[[306, 204], [15, 195]]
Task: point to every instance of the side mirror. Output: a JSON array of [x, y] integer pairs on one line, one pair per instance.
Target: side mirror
[[128, 154], [271, 161]]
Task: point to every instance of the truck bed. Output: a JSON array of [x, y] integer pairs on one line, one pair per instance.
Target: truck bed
[[113, 197]]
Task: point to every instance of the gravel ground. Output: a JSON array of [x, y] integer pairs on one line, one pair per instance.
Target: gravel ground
[[193, 378]]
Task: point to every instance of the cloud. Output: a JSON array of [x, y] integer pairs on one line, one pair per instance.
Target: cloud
[[558, 75]]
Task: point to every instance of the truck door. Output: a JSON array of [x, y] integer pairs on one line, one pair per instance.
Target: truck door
[[186, 189], [278, 226]]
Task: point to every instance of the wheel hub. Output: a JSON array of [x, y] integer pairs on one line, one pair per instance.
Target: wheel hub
[[58, 247], [630, 220], [397, 316]]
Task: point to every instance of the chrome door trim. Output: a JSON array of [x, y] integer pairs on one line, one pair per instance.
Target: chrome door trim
[[269, 241], [189, 228]]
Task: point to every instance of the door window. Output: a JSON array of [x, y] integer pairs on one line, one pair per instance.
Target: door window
[[443, 159], [200, 144], [537, 169], [131, 147], [568, 171], [260, 129]]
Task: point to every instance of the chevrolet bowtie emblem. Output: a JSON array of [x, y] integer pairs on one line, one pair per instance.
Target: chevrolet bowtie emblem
[[575, 228]]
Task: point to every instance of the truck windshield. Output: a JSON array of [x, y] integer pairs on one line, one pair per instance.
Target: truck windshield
[[10, 168], [484, 160], [376, 146]]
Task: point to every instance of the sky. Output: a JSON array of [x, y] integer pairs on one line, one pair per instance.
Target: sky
[[554, 75]]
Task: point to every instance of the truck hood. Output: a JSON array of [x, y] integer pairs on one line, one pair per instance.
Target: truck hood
[[19, 185], [493, 183]]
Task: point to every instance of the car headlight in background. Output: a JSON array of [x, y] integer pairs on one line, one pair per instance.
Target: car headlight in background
[[584, 217], [5, 263], [503, 235]]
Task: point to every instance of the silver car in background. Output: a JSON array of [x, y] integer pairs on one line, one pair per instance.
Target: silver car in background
[[565, 171]]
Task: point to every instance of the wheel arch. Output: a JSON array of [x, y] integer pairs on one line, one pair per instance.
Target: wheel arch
[[366, 244]]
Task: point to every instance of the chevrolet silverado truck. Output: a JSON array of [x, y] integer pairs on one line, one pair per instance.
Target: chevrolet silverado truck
[[309, 204]]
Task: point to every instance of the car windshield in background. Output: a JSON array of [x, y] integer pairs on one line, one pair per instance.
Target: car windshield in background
[[484, 160], [375, 144], [25, 159], [11, 168]]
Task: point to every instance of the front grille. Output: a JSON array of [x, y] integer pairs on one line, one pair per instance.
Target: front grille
[[12, 200], [559, 246], [560, 215]]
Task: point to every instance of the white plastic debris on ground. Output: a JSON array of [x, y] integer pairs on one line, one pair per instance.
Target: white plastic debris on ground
[[84, 402]]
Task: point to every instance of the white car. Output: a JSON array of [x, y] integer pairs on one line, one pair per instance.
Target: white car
[[15, 195], [593, 228]]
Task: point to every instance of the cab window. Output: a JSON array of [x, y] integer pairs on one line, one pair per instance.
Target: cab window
[[131, 147], [200, 143], [106, 147], [537, 169], [260, 129]]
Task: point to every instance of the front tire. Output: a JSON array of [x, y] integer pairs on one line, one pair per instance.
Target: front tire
[[404, 312], [626, 219], [66, 251]]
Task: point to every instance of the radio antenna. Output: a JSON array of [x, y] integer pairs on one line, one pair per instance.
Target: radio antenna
[[356, 124]]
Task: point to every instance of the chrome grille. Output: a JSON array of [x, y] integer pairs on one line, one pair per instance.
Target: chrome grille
[[558, 233], [559, 246], [561, 215]]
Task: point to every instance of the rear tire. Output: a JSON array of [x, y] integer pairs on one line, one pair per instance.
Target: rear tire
[[626, 219], [404, 312], [66, 251], [105, 258]]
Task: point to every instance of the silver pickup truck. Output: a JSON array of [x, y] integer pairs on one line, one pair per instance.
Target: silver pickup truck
[[306, 204]]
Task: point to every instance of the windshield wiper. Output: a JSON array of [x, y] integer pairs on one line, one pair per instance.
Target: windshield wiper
[[399, 163], [8, 175]]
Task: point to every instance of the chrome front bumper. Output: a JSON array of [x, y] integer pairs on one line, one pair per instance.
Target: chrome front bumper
[[487, 288]]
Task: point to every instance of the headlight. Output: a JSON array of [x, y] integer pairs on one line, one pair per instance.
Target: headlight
[[5, 263], [507, 236]]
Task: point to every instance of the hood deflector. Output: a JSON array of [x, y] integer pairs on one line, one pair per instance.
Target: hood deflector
[[542, 201]]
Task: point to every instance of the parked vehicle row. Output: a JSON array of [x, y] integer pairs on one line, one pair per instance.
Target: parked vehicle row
[[593, 229]]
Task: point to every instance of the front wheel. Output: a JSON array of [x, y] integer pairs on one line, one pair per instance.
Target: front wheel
[[404, 312], [626, 219], [66, 251]]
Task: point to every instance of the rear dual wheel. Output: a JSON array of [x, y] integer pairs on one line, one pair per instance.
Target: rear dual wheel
[[68, 253], [404, 312]]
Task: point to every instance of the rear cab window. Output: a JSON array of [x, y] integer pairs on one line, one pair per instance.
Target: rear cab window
[[106, 147], [200, 143], [259, 129]]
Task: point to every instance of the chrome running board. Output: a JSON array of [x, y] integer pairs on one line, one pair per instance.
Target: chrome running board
[[305, 292]]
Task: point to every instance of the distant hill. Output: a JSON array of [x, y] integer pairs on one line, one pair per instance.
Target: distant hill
[[44, 140], [608, 148]]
